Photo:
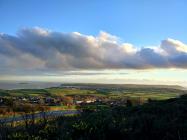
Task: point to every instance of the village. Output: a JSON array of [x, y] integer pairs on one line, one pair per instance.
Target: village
[[69, 100]]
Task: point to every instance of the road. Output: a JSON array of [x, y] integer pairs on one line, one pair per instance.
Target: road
[[48, 114]]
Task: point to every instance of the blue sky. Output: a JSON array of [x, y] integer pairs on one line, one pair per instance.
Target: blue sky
[[142, 22], [94, 40]]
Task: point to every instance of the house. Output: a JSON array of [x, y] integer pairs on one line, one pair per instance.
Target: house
[[49, 100], [79, 102]]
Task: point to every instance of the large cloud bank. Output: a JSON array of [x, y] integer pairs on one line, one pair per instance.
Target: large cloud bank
[[41, 49]]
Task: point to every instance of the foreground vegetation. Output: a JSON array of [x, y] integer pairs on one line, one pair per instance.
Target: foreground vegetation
[[155, 120]]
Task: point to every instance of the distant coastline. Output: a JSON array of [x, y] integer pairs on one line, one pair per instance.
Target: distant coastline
[[23, 83], [40, 85]]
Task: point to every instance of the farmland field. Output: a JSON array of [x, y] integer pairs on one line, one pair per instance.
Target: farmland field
[[109, 91]]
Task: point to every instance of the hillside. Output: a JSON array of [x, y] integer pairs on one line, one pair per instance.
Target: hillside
[[95, 85], [156, 120]]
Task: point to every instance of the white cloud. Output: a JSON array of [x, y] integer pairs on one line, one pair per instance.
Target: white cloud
[[37, 49], [173, 47]]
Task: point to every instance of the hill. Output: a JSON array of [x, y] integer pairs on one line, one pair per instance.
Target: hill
[[95, 85]]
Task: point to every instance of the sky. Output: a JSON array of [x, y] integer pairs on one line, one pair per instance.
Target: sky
[[116, 41]]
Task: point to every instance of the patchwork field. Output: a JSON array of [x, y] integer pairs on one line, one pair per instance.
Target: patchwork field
[[109, 91]]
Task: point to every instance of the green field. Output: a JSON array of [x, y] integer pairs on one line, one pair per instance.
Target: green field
[[109, 91]]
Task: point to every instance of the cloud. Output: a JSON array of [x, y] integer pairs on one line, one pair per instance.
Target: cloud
[[173, 47], [37, 49]]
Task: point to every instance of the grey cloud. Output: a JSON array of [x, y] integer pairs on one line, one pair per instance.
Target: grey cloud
[[152, 59], [37, 49]]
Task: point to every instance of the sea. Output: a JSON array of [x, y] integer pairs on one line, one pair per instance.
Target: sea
[[27, 85]]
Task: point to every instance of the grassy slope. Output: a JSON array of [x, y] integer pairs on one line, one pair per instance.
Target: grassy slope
[[116, 91]]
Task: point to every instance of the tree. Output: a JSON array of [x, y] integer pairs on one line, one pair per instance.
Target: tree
[[129, 103]]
